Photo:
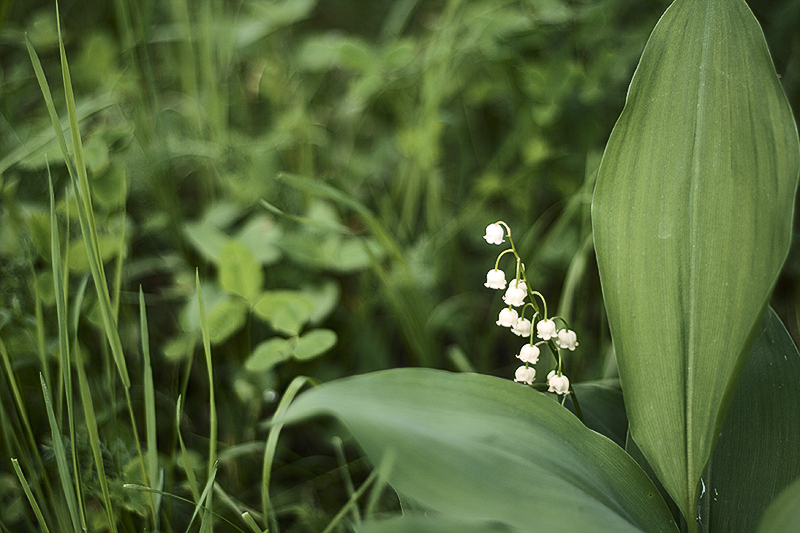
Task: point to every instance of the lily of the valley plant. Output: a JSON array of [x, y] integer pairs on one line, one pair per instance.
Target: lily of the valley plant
[[692, 220], [509, 317]]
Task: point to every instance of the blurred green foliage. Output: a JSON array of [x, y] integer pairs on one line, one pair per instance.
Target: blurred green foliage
[[328, 167]]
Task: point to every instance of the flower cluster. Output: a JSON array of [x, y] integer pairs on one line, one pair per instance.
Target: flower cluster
[[546, 329]]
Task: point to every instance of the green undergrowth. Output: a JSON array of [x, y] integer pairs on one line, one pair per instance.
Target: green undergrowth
[[200, 202]]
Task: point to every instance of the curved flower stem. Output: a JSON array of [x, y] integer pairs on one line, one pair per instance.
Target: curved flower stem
[[504, 252], [508, 230], [544, 302]]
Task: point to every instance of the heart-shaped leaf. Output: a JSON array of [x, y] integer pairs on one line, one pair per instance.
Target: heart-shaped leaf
[[314, 343], [692, 218], [239, 272], [286, 311], [268, 354]]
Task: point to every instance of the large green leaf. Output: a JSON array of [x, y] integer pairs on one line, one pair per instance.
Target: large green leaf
[[783, 515], [692, 220], [432, 524], [756, 456], [602, 408], [481, 448]]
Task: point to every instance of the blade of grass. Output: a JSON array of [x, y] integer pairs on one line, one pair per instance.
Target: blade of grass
[[272, 444], [205, 502], [212, 407], [351, 502], [384, 469], [149, 407], [187, 466], [41, 139], [338, 448], [85, 214], [13, 429], [118, 267], [94, 437], [142, 488], [25, 487], [60, 291], [21, 409], [235, 505], [40, 343], [252, 523], [79, 178], [61, 461]]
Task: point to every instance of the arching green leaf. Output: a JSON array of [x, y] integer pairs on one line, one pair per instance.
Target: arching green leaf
[[479, 448]]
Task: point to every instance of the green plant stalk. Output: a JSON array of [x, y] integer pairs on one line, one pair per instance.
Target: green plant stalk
[[187, 70], [131, 30], [86, 214], [142, 488], [205, 502], [212, 407], [60, 290], [40, 343], [149, 410], [78, 175], [31, 456], [94, 438], [351, 502], [187, 465], [272, 444], [248, 519], [23, 412], [25, 487], [61, 461], [338, 448], [90, 237]]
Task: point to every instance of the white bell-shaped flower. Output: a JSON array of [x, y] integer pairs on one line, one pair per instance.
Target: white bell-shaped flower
[[516, 293], [523, 327], [494, 234], [567, 339], [508, 317], [529, 354], [546, 329], [525, 374], [557, 383], [495, 279]]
